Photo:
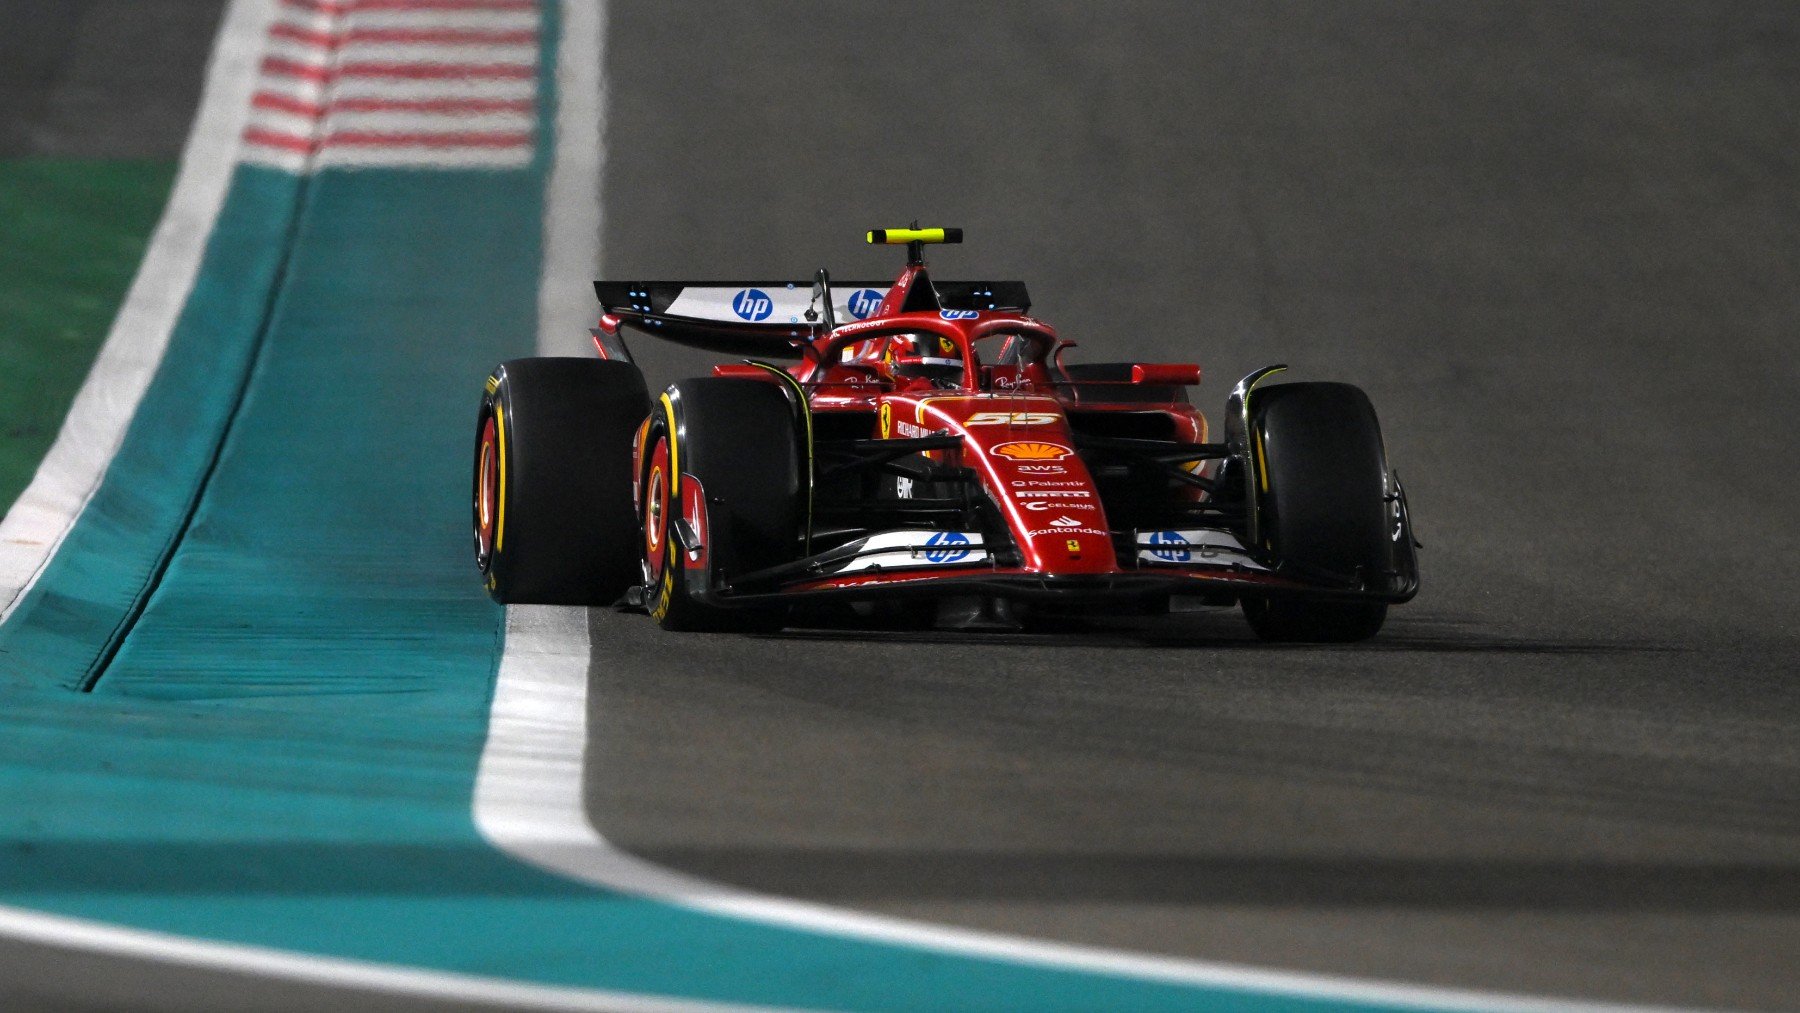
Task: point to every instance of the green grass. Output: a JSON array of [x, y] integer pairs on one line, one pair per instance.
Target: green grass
[[71, 235]]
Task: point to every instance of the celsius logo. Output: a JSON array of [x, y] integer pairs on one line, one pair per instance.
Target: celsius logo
[[951, 547], [863, 302], [753, 304], [1170, 540], [958, 314]]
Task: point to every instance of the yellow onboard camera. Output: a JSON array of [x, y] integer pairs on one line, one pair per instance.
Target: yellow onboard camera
[[898, 237]]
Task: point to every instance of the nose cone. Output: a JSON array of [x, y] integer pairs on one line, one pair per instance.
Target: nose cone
[[1047, 495]]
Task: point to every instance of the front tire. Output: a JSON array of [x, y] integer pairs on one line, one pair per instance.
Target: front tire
[[1322, 490], [554, 522], [738, 442]]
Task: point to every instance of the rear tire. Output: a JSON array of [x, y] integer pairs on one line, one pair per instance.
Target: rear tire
[[554, 522], [1323, 506], [739, 439]]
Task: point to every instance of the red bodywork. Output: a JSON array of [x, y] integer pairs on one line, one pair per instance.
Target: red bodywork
[[1014, 411]]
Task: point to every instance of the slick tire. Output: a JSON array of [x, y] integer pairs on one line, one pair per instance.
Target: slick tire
[[1322, 506], [740, 441], [554, 520]]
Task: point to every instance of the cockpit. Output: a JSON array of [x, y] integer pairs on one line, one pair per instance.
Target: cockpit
[[997, 358]]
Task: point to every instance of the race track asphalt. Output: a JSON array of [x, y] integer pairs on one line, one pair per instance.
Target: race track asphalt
[[101, 78], [1556, 244]]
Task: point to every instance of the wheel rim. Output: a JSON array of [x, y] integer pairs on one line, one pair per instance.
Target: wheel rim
[[656, 510], [487, 493]]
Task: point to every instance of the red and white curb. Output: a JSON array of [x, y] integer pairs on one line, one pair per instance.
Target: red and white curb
[[397, 84]]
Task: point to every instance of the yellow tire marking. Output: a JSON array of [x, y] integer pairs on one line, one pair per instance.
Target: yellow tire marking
[[1262, 469], [674, 459], [665, 590]]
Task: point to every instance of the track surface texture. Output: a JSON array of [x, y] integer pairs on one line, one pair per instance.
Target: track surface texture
[[101, 78], [1557, 245]]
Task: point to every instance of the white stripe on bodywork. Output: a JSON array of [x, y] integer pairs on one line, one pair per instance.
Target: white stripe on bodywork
[[71, 472], [786, 303], [1197, 547], [905, 550]]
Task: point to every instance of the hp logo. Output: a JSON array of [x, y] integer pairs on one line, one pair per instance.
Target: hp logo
[[1170, 554], [753, 304], [952, 547], [863, 303], [958, 314]]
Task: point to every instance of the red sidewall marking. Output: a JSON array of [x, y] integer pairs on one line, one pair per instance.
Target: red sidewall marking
[[656, 509], [487, 491]]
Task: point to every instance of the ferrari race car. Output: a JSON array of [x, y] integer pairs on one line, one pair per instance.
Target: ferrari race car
[[928, 442]]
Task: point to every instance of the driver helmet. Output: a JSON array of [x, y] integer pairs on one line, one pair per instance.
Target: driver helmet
[[926, 357]]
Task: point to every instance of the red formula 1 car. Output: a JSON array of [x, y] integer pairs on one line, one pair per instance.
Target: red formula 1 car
[[929, 443]]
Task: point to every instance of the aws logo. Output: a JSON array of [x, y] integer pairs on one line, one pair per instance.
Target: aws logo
[[863, 303], [752, 304]]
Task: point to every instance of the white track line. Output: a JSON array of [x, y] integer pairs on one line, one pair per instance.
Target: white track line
[[71, 472], [529, 802], [529, 792], [566, 308]]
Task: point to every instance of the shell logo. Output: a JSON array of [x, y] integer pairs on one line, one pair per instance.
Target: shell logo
[[1024, 451]]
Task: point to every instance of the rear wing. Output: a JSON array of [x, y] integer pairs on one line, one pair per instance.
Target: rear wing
[[769, 318]]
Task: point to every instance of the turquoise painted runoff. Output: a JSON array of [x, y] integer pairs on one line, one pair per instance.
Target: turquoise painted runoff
[[280, 750]]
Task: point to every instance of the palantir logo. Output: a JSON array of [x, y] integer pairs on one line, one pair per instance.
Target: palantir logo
[[753, 304], [1170, 539], [952, 547], [863, 303]]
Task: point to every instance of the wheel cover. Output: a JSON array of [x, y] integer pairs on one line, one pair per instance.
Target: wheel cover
[[656, 510], [487, 488]]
